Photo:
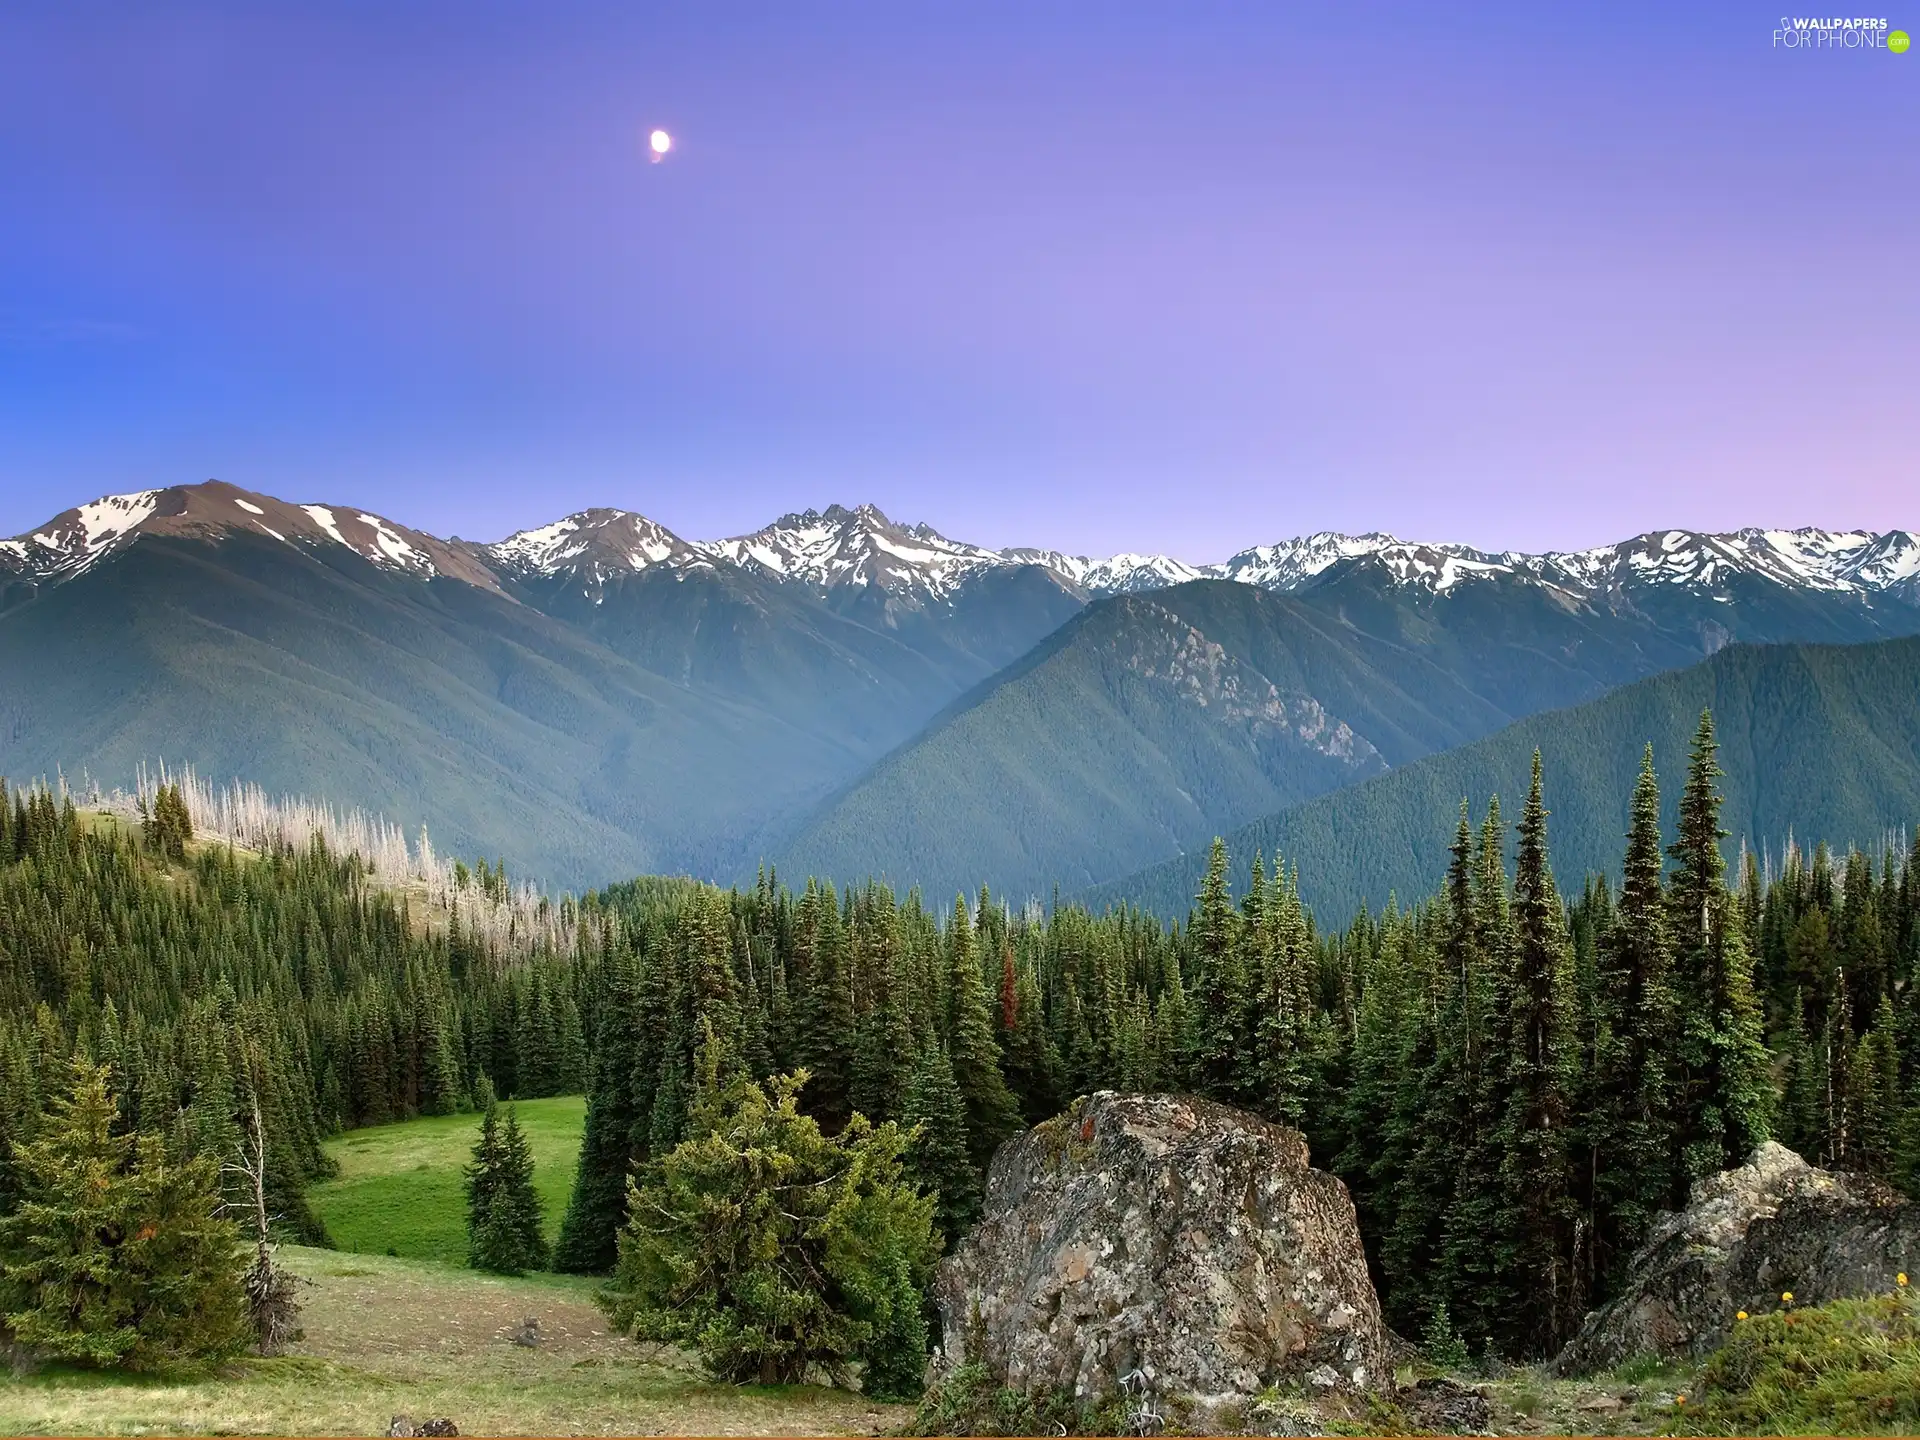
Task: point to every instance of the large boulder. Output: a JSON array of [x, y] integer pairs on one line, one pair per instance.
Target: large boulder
[[1775, 1224], [1167, 1245]]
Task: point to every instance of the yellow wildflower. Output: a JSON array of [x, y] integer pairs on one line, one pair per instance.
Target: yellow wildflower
[[1901, 1278], [1740, 1315], [1786, 1297]]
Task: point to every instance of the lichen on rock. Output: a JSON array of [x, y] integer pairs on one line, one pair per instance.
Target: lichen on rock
[[1164, 1245], [1771, 1226]]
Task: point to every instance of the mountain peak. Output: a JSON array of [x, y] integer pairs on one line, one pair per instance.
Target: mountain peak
[[73, 542], [594, 544]]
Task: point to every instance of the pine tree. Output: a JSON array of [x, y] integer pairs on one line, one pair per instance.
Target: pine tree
[[503, 1209], [116, 1254], [1540, 1068], [1726, 1083], [597, 1202], [1221, 1000], [778, 1253], [937, 1154], [1630, 1133], [992, 1115]]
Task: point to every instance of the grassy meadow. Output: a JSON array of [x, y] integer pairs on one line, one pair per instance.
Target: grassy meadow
[[399, 1188], [417, 1333], [387, 1337]]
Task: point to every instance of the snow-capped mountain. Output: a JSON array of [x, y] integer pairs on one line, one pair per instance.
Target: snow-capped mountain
[[74, 542], [593, 546], [1116, 575], [826, 550], [830, 548]]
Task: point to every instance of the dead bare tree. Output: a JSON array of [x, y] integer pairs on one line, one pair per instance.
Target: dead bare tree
[[271, 1290]]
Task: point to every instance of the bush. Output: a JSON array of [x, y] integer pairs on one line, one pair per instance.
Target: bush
[[775, 1252], [1851, 1367], [115, 1254]]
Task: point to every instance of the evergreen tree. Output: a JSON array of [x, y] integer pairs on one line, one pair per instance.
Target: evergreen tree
[[1541, 1068], [778, 1253], [1726, 1088], [1219, 1042], [116, 1255], [937, 1154], [992, 1115], [1629, 1131], [503, 1209], [613, 1123]]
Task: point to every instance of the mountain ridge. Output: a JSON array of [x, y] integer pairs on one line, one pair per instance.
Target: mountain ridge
[[1818, 742], [860, 546]]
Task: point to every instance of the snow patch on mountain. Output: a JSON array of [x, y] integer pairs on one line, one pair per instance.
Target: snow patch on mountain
[[826, 550], [74, 540], [830, 548]]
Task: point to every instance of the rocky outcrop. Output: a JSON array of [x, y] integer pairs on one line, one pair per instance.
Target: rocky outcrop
[[1164, 1244], [1774, 1224]]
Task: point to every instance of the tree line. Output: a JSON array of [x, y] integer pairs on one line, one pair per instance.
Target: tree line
[[1511, 1080]]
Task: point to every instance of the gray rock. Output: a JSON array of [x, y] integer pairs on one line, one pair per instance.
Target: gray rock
[[1163, 1244], [1441, 1406], [1771, 1225]]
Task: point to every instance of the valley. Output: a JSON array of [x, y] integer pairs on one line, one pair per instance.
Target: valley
[[838, 693]]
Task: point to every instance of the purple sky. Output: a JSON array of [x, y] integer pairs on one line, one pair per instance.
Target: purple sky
[[1180, 277]]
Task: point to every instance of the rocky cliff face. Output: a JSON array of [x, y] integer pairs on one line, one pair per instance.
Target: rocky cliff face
[[1774, 1224], [1167, 1245]]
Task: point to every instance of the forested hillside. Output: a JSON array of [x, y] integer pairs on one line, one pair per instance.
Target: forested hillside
[[203, 979], [836, 692], [1822, 743], [1153, 722], [1510, 1080]]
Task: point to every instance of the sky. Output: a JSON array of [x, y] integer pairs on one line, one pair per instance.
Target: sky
[[1179, 277]]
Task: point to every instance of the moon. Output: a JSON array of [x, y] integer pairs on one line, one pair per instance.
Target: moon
[[659, 143]]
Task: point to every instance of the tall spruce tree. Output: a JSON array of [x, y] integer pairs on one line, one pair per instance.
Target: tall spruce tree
[[992, 1115], [937, 1156], [1629, 1130], [1726, 1087], [503, 1209], [1540, 1059]]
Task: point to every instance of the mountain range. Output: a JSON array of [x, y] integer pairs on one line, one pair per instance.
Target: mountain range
[[836, 692], [1818, 744]]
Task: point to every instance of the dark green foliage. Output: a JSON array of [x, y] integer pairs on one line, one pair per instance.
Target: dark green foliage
[[1724, 1090], [1536, 1042], [776, 1252], [115, 1253], [165, 824], [503, 1210], [1630, 1034], [1508, 1079], [992, 1115], [937, 1155]]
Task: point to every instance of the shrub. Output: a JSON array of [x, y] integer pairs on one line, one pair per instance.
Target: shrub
[[775, 1252]]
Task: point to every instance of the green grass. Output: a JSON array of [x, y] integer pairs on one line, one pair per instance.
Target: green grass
[[386, 1337], [1851, 1367], [399, 1187]]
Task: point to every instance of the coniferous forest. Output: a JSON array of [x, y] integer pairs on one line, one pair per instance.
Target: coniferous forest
[[1512, 1075]]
